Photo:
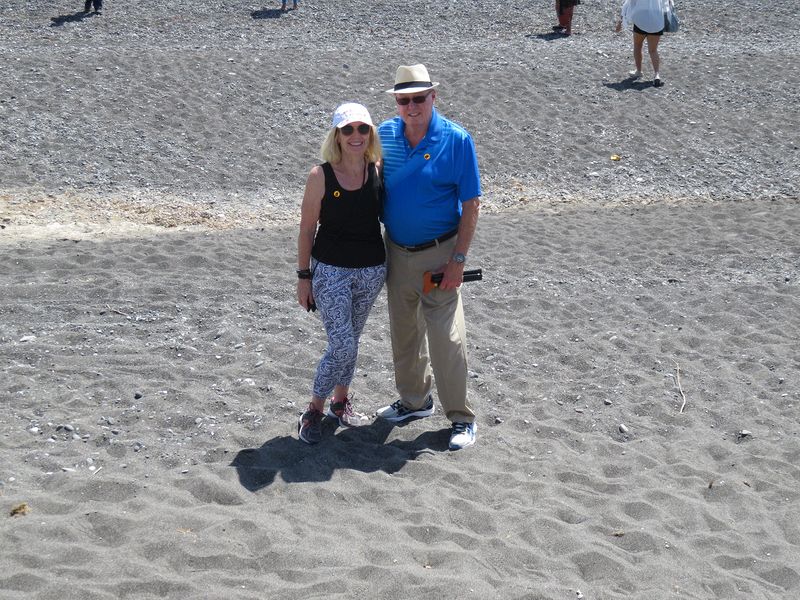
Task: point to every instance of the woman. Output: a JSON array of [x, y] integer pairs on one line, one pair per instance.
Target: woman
[[564, 11], [647, 18], [342, 264]]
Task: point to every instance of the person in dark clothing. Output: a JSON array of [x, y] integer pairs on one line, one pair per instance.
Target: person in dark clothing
[[565, 10], [98, 6], [341, 258]]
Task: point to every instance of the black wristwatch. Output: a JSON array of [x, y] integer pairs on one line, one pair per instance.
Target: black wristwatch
[[304, 273]]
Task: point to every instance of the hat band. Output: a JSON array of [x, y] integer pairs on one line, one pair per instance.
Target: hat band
[[409, 84]]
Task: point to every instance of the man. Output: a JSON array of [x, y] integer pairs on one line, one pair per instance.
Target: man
[[431, 211]]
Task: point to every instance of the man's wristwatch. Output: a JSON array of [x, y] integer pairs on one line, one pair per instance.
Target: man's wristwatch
[[459, 258], [304, 273]]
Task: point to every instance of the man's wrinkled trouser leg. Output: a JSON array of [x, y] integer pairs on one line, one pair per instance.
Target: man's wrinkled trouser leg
[[428, 332]]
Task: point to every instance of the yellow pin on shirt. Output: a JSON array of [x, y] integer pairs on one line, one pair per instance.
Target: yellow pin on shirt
[[427, 157], [337, 193]]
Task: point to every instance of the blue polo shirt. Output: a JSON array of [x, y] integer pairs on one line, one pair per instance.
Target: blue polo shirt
[[426, 185]]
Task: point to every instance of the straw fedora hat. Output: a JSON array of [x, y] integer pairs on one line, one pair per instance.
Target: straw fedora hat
[[410, 79]]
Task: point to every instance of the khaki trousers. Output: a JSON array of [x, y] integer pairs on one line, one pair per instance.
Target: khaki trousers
[[428, 332]]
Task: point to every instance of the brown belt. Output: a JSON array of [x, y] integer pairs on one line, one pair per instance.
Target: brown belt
[[431, 244]]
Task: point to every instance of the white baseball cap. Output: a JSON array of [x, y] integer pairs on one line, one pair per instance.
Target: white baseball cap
[[351, 112]]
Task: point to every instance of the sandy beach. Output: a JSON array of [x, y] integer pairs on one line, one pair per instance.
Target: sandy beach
[[634, 356]]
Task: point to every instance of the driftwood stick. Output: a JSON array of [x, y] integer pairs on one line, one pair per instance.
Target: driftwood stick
[[114, 310], [680, 389]]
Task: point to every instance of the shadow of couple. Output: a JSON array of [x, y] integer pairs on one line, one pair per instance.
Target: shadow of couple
[[358, 448]]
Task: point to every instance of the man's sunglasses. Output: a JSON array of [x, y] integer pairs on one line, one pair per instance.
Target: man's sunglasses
[[415, 99], [347, 130]]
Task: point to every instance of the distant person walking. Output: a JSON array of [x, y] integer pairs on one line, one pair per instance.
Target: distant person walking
[[98, 6], [565, 10], [341, 258], [647, 19], [283, 6]]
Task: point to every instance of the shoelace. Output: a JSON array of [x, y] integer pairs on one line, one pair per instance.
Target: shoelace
[[313, 415], [344, 406], [460, 428]]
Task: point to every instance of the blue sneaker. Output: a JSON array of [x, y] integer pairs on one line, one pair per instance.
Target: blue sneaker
[[462, 435], [397, 411]]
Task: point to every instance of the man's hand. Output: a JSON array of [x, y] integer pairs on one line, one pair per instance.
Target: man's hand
[[452, 275]]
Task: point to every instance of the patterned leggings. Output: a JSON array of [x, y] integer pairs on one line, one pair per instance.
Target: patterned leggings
[[344, 298]]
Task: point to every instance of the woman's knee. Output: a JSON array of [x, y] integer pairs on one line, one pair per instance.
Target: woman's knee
[[342, 347]]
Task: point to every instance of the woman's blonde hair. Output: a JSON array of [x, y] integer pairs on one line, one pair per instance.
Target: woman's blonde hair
[[332, 153]]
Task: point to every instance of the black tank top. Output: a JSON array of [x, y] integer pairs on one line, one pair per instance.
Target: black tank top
[[349, 233]]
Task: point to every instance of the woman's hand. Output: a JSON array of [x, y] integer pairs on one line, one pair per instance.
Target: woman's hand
[[305, 296], [309, 217]]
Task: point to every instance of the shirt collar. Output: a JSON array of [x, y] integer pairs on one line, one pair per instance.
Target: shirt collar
[[434, 127], [434, 132]]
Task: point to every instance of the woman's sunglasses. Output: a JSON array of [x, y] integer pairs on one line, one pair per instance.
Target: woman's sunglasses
[[363, 129], [415, 99]]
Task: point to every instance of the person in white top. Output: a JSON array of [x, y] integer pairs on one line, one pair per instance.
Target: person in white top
[[647, 19]]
